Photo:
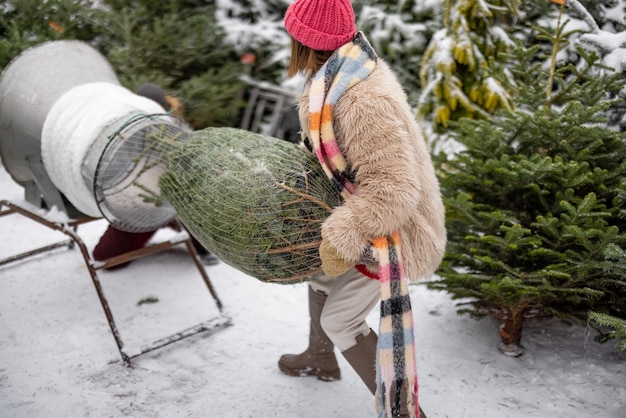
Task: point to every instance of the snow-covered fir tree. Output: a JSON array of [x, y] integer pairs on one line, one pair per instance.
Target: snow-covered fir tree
[[537, 195], [254, 29], [400, 31], [458, 69]]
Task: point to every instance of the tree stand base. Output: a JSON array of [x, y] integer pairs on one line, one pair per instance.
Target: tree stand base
[[69, 228]]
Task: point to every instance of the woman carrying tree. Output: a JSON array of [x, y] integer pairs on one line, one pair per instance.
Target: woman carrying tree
[[390, 228]]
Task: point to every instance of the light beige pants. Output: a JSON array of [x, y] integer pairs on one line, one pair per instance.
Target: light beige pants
[[351, 297]]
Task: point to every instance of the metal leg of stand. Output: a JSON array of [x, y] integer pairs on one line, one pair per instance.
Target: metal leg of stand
[[70, 229], [7, 208], [203, 273]]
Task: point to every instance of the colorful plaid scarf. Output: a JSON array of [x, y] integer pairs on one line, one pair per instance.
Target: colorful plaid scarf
[[395, 365]]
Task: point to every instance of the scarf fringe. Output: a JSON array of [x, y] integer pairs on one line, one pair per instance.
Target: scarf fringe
[[387, 408]]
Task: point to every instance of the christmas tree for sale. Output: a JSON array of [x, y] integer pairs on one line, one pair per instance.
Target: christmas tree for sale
[[536, 196], [399, 31]]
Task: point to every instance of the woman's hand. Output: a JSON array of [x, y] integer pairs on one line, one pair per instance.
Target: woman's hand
[[332, 263]]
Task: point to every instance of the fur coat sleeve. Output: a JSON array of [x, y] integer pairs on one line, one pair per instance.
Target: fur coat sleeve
[[396, 185]]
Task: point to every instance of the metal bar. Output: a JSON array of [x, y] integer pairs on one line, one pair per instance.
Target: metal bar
[[31, 253], [71, 232], [203, 273], [101, 296], [212, 324], [247, 114], [12, 209], [135, 254]]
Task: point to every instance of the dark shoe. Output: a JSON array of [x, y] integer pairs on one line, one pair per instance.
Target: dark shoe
[[115, 242], [322, 365], [209, 259], [319, 358]]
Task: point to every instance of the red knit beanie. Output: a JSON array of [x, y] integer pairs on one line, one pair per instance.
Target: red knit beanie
[[323, 25]]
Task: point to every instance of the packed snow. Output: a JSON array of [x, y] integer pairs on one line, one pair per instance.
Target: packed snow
[[58, 357]]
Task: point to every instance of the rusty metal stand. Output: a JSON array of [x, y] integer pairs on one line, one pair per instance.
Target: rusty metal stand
[[70, 229]]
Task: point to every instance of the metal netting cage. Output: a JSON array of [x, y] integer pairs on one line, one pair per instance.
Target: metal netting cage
[[126, 180]]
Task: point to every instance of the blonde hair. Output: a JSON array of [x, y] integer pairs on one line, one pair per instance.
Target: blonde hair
[[305, 60]]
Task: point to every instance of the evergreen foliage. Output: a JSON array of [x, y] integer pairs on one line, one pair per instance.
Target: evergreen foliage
[[400, 31], [586, 18], [616, 273], [618, 325], [255, 27], [459, 74], [535, 198], [478, 31], [180, 46], [24, 23]]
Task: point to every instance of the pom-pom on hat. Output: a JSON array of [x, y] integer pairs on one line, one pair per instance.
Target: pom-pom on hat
[[323, 25]]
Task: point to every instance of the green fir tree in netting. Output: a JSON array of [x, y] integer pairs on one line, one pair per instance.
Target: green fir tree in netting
[[255, 201], [460, 74], [535, 197]]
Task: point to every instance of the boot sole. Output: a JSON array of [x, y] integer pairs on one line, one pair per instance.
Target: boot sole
[[323, 375]]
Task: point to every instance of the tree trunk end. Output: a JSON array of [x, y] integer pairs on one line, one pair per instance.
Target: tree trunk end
[[511, 337]]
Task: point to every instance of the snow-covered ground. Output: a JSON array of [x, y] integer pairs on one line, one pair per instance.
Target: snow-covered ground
[[58, 357]]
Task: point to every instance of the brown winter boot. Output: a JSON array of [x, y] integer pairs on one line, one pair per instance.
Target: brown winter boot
[[362, 358], [318, 359]]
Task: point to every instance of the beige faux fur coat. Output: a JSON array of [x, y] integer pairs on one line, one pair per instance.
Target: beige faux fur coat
[[394, 176]]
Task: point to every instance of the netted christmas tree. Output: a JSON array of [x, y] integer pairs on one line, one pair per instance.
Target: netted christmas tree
[[255, 201], [536, 196]]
